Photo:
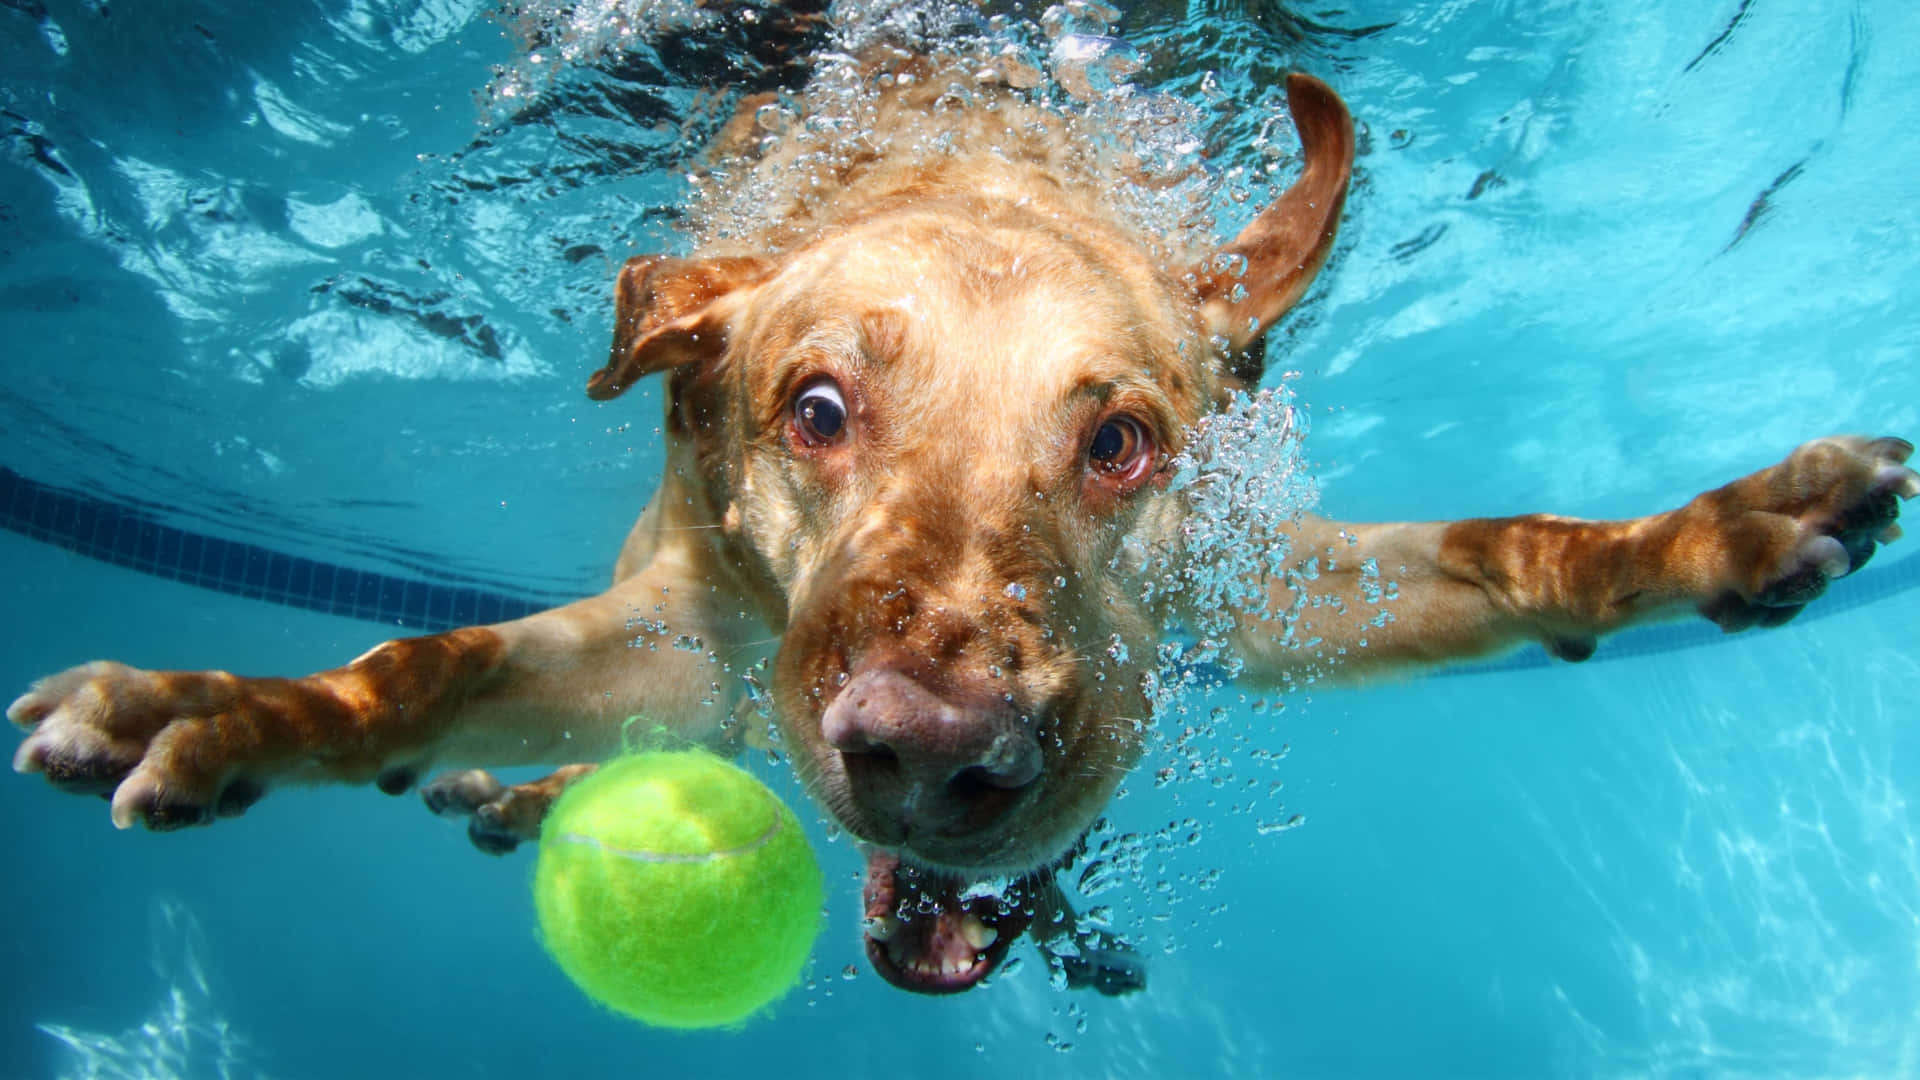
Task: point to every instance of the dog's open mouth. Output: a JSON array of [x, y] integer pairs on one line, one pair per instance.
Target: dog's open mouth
[[937, 935]]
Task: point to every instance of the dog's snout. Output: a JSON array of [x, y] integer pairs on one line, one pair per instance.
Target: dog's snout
[[923, 760]]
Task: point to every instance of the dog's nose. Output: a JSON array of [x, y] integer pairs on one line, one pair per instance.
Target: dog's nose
[[918, 758]]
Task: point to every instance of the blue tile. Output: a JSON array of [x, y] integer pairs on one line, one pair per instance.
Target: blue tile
[[86, 529], [91, 532], [299, 588], [393, 599], [213, 560], [466, 606], [346, 589], [63, 515], [12, 484], [45, 505], [166, 553], [236, 568], [146, 544], [320, 593], [414, 601], [214, 564], [193, 551], [253, 563], [279, 570], [440, 609]]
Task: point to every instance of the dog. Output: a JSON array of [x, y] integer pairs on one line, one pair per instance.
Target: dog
[[922, 425]]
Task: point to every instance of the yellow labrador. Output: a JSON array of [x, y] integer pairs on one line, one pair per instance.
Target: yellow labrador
[[919, 435]]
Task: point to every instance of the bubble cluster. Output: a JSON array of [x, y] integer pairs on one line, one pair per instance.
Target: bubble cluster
[[557, 37], [1157, 157], [1245, 482]]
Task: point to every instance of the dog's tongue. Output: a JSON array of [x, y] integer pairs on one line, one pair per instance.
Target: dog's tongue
[[931, 934]]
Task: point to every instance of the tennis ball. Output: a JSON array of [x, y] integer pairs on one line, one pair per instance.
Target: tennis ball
[[677, 889]]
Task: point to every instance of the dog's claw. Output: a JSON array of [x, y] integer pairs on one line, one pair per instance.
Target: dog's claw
[[1891, 447], [489, 833], [142, 797], [29, 757], [29, 709], [460, 794]]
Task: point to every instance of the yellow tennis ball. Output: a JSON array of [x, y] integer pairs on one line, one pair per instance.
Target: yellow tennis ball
[[677, 889]]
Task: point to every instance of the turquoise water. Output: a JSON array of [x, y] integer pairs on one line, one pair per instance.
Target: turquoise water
[[300, 276]]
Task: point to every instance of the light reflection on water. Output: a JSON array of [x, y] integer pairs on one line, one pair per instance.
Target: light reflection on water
[[184, 1038]]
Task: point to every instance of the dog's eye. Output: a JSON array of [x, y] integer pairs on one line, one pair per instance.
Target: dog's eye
[[819, 412], [1121, 450]]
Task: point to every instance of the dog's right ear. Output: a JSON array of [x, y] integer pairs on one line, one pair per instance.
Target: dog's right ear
[[670, 312], [1252, 281]]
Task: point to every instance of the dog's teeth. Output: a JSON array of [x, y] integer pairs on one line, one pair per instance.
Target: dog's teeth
[[978, 934], [881, 927]]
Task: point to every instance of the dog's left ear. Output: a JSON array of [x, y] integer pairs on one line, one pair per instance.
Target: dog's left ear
[[671, 312], [1248, 284]]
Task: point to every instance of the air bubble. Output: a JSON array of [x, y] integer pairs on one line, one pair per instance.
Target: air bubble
[[1268, 828], [1091, 67]]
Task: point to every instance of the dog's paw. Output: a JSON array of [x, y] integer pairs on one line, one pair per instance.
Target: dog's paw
[[1789, 531], [498, 817], [168, 748]]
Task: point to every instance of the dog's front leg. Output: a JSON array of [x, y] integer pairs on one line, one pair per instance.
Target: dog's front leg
[[1368, 598], [177, 748]]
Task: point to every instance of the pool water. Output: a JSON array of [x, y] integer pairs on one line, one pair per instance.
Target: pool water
[[322, 281]]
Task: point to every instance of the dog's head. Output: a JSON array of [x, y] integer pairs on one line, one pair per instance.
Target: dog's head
[[937, 437]]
